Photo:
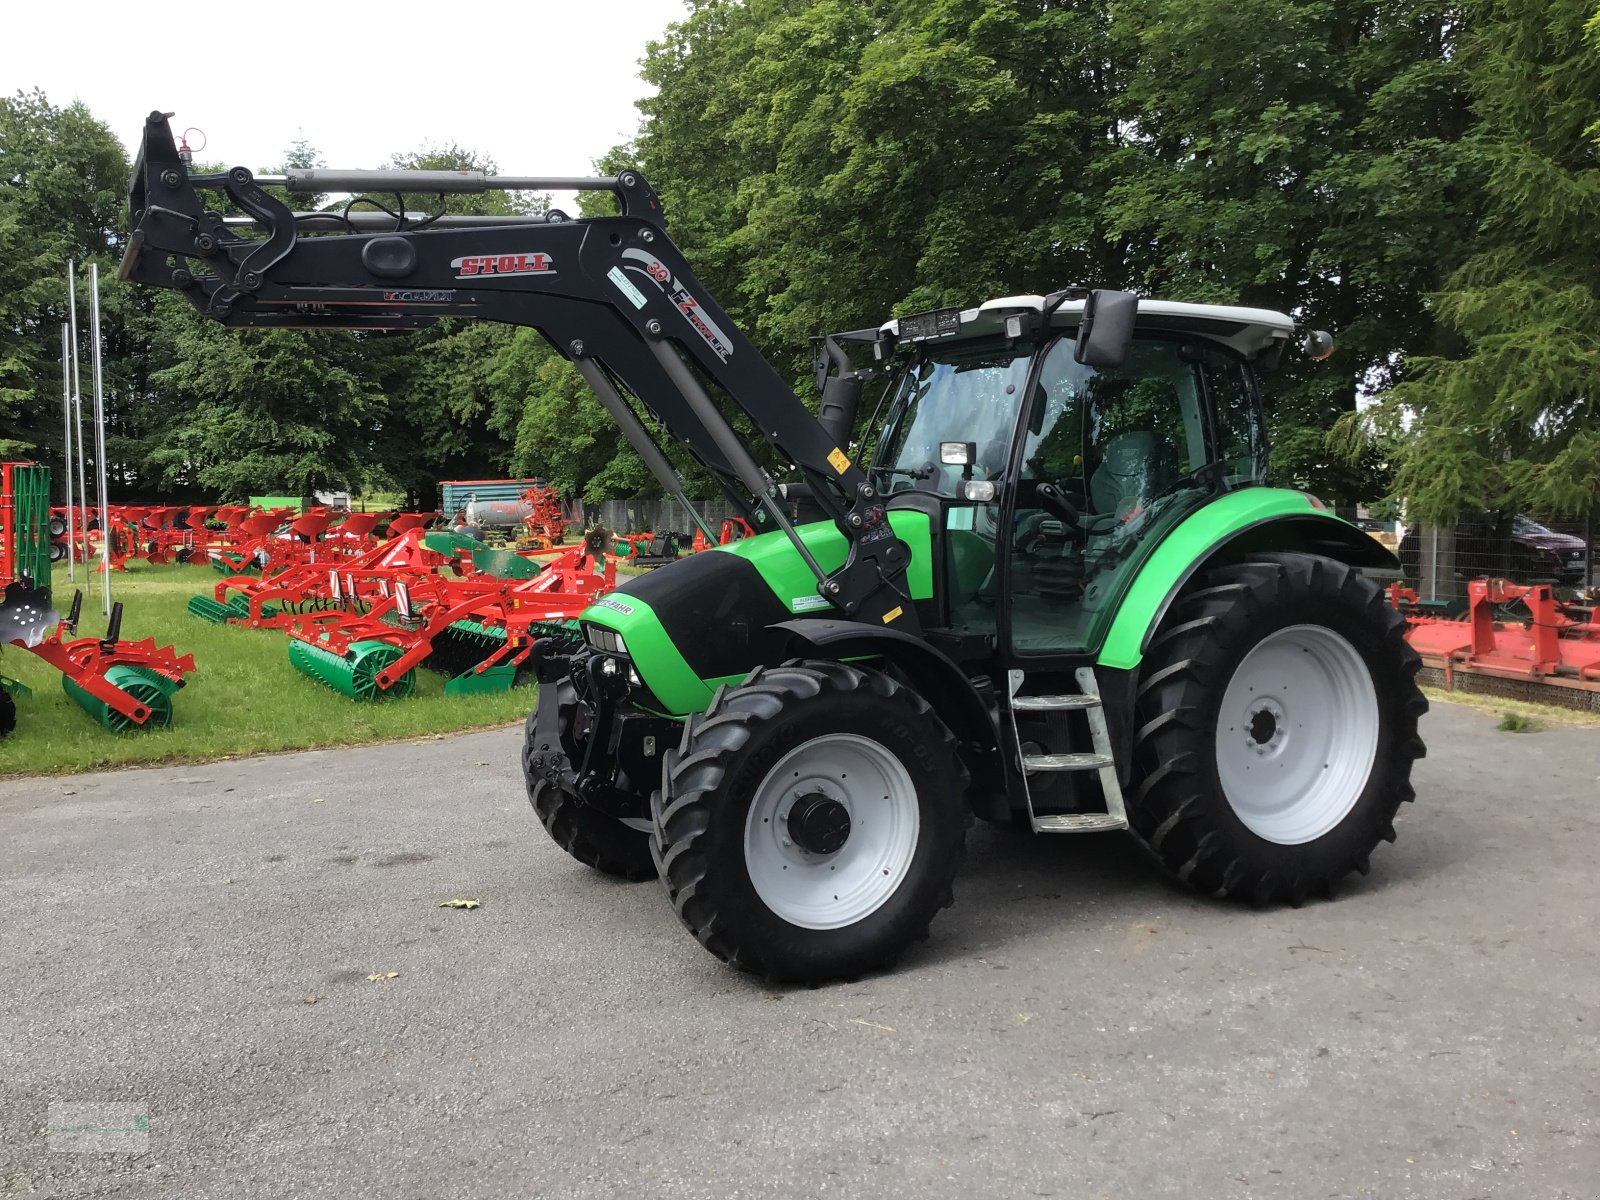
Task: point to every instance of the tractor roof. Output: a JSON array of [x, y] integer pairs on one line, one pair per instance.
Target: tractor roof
[[1247, 330]]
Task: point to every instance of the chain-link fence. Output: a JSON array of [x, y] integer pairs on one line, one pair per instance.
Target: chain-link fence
[[655, 516], [1439, 561]]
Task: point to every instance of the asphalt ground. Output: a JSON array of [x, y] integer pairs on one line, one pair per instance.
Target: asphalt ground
[[195, 945]]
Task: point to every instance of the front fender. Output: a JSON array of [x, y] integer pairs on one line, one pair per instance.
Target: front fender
[[935, 676], [1229, 528]]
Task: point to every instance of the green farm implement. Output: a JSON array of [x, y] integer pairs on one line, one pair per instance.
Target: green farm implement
[[123, 685], [1060, 593]]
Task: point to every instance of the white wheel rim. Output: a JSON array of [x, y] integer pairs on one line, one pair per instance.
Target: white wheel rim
[[819, 890], [1297, 734]]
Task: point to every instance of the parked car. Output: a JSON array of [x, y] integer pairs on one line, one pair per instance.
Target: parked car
[[1530, 553]]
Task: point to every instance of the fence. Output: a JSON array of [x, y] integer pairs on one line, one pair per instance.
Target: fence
[[1439, 561], [656, 516]]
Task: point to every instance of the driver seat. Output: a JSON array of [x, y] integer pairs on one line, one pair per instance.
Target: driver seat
[[1134, 469]]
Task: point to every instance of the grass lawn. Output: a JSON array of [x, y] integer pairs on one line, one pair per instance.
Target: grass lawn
[[244, 698]]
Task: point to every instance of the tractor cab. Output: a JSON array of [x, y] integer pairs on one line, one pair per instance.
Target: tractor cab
[[1051, 476]]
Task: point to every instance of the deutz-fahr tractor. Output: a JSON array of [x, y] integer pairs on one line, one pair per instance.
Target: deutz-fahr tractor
[[1050, 588]]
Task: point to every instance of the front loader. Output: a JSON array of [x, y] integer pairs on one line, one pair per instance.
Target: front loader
[[1059, 593]]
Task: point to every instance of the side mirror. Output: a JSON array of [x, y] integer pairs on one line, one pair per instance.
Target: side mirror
[[1106, 330], [1318, 343]]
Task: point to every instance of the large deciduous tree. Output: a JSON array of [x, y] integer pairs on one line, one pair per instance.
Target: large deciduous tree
[[62, 178]]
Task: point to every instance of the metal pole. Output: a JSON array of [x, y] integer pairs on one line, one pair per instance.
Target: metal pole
[[66, 442], [1588, 550], [77, 407], [100, 434], [1433, 565]]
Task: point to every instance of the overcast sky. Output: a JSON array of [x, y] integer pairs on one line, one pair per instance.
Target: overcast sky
[[542, 86]]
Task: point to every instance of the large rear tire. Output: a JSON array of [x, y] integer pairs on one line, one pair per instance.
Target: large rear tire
[[812, 821], [592, 836], [8, 713], [1276, 729]]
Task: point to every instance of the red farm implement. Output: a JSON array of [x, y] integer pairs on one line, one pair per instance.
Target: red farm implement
[[546, 522], [1512, 640], [732, 530], [361, 625], [271, 600], [123, 685], [478, 629]]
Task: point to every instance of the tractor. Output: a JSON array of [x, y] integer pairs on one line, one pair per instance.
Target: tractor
[[1051, 588]]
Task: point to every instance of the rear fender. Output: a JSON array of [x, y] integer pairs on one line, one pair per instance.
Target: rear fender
[[934, 675], [1260, 520]]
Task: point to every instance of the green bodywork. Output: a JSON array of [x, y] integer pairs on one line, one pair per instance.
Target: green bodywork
[[791, 580], [1175, 557], [680, 691], [663, 669]]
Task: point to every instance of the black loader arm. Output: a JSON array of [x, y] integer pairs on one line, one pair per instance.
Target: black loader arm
[[613, 294]]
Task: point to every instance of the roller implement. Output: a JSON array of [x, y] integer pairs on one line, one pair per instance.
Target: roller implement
[[123, 685], [362, 623], [1059, 595]]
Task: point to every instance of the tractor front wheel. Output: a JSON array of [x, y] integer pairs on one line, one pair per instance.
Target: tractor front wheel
[[1277, 727], [812, 821], [594, 837]]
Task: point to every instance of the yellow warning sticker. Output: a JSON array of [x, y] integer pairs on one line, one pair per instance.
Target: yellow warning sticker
[[839, 460], [894, 614]]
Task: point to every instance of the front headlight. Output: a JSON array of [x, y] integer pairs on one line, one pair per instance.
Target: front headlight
[[605, 639]]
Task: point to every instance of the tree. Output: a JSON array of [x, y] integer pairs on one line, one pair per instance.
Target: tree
[[1304, 156], [62, 177], [826, 164], [438, 421], [267, 411], [1507, 419]]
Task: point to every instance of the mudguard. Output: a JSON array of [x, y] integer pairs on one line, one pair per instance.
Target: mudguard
[[1232, 526]]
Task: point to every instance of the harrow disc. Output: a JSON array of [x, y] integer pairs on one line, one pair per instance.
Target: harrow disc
[[355, 674], [151, 690]]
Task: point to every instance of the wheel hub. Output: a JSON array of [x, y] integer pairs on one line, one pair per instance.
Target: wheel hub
[[1267, 727], [819, 823]]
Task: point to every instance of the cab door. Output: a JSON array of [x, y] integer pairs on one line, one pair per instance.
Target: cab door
[[1101, 466]]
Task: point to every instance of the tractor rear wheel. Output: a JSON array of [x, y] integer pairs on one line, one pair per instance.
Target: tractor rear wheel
[[812, 821], [8, 713], [1276, 729], [592, 836]]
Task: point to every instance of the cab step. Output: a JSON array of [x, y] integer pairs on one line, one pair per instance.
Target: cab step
[[1032, 763], [1100, 759], [1078, 823], [1072, 700]]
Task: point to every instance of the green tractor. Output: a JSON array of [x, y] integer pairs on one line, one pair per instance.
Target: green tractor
[[1123, 628], [1056, 591]]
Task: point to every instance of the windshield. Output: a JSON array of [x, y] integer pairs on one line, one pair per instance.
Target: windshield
[[956, 394]]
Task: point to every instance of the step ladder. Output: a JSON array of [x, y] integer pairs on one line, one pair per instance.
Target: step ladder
[[1101, 759]]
